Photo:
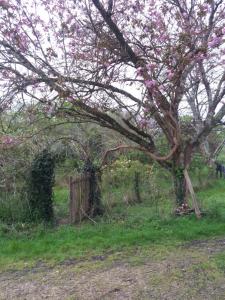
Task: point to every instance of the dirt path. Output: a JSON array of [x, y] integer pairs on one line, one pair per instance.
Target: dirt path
[[190, 272]]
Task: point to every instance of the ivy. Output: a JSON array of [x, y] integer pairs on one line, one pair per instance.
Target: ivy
[[95, 203], [179, 172], [40, 184]]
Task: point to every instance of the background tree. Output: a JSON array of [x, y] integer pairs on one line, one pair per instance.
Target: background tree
[[92, 59]]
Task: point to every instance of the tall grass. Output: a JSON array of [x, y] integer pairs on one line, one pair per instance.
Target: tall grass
[[14, 207]]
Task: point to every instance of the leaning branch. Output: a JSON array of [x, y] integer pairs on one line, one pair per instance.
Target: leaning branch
[[152, 155], [191, 190]]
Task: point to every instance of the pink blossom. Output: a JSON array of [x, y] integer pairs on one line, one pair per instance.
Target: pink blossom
[[150, 83], [143, 123], [162, 88], [200, 57], [146, 110], [151, 66], [215, 42], [70, 99], [22, 42], [162, 38], [139, 70], [205, 8], [8, 140], [170, 74], [185, 15], [4, 4], [106, 64], [158, 23]]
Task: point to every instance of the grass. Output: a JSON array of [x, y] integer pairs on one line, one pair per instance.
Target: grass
[[61, 201], [125, 229]]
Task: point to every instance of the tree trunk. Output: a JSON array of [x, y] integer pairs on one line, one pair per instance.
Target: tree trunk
[[183, 184], [95, 203], [179, 186], [95, 194], [181, 160]]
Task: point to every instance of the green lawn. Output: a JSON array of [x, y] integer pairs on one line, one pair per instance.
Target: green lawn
[[124, 229]]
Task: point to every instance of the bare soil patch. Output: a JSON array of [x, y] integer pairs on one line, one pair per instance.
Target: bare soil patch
[[187, 273]]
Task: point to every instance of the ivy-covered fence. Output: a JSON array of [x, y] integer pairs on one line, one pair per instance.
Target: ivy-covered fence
[[40, 187]]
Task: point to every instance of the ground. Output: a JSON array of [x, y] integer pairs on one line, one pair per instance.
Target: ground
[[136, 251], [194, 270]]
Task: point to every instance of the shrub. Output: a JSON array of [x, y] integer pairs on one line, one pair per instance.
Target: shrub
[[13, 207]]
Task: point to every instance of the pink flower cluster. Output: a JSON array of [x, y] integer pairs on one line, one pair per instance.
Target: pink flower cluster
[[139, 71], [70, 99], [205, 8], [143, 123], [4, 4], [151, 84], [170, 74], [200, 57], [151, 66], [9, 141], [215, 42]]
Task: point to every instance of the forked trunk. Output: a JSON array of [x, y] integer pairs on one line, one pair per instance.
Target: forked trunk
[[183, 186], [181, 160]]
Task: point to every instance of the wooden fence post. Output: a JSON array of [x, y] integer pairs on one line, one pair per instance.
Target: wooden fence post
[[71, 199], [79, 205], [137, 187]]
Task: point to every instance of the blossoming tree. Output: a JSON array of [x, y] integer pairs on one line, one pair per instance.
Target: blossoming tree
[[147, 62]]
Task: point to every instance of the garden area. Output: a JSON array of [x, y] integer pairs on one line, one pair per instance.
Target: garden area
[[119, 247], [112, 149]]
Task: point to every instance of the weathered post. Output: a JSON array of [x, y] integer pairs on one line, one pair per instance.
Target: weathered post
[[137, 187]]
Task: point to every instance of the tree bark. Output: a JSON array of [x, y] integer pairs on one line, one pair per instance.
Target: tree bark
[[95, 202], [179, 186]]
